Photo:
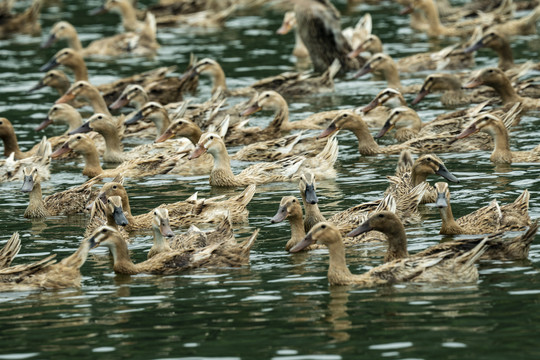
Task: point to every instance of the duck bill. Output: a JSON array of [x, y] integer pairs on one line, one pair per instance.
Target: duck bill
[[165, 136], [386, 128], [284, 29], [311, 195], [43, 124], [119, 103], [38, 86], [165, 229], [372, 105], [308, 240], [363, 71], [473, 83], [98, 11], [84, 128], [280, 215], [467, 132], [119, 216], [332, 128], [199, 150], [365, 227], [422, 94], [50, 65], [66, 98], [28, 184], [92, 243], [63, 150], [49, 42], [251, 110], [441, 201], [443, 171], [477, 45], [138, 116], [406, 11], [356, 52]]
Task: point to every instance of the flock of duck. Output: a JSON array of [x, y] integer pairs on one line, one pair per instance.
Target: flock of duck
[[192, 139]]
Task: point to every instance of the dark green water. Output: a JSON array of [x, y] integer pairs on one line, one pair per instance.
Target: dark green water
[[280, 307]]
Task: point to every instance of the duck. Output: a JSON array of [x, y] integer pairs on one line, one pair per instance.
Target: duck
[[133, 95], [127, 13], [450, 85], [497, 248], [208, 18], [71, 59], [386, 66], [497, 42], [140, 44], [11, 145], [26, 22], [155, 112], [62, 114], [376, 112], [46, 274], [108, 213], [487, 219], [12, 170], [308, 187], [170, 262], [499, 81], [272, 100], [67, 202], [56, 79], [318, 24], [501, 154], [261, 173], [300, 51], [442, 267], [89, 93], [188, 212]]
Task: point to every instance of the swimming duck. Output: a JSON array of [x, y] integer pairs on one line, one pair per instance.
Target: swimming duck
[[108, 213], [127, 13], [133, 95], [501, 154], [71, 59], [26, 22], [7, 134], [87, 92], [289, 23], [56, 79], [499, 81], [498, 43], [208, 18], [182, 213], [496, 246], [11, 169], [70, 201], [386, 66], [450, 86], [443, 267], [487, 219], [282, 170], [165, 263], [318, 24], [156, 113], [308, 193], [140, 44], [62, 114]]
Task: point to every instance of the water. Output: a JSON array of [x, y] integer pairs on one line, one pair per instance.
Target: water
[[281, 306]]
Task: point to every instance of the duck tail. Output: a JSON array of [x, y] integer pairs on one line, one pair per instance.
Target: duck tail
[[245, 197], [388, 203], [333, 69], [330, 152], [470, 257], [518, 247], [10, 250], [405, 161], [32, 13], [149, 30], [248, 244], [522, 201]]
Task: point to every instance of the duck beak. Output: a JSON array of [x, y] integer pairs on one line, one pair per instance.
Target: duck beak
[[119, 103], [477, 45], [443, 171], [84, 128], [138, 116], [311, 196], [92, 243], [284, 29], [332, 128], [165, 229], [441, 201], [98, 11], [67, 97], [165, 136], [280, 215], [356, 52], [119, 216], [386, 128], [38, 86], [50, 65], [365, 227], [49, 42], [422, 94], [64, 149], [372, 105], [199, 150], [467, 132], [28, 184], [409, 9], [251, 110], [365, 70], [473, 83], [43, 124], [308, 240]]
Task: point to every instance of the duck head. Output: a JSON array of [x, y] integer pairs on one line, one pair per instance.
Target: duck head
[[289, 206], [324, 233], [161, 223]]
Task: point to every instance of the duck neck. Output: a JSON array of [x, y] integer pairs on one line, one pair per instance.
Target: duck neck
[[36, 203], [506, 91], [74, 121], [111, 222], [501, 152], [92, 166], [312, 210], [113, 145], [506, 58], [338, 272], [397, 244], [300, 49], [417, 176], [435, 28], [391, 74], [281, 117], [194, 135], [122, 261], [218, 80], [449, 225], [129, 17], [162, 122], [297, 231], [366, 143], [221, 172], [79, 70], [11, 145], [160, 245], [74, 42], [98, 103]]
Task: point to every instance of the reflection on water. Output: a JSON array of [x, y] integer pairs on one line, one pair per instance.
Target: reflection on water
[[281, 305]]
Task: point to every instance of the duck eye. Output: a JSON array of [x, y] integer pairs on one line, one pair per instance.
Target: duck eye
[[381, 215], [294, 201], [155, 212], [79, 137], [345, 115], [65, 53], [100, 117], [211, 138], [323, 226], [1, 123], [104, 231], [115, 187], [267, 95]]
